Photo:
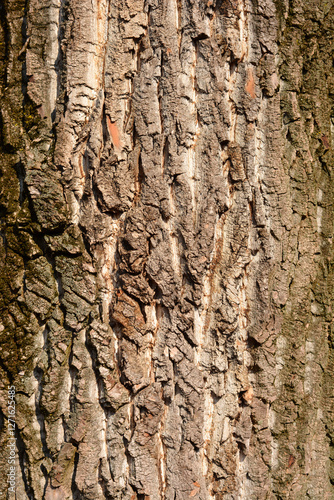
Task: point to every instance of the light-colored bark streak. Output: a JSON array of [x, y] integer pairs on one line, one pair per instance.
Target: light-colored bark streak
[[84, 80], [178, 21], [190, 160], [233, 115], [319, 210], [173, 237], [153, 325], [162, 457], [202, 320], [52, 55], [243, 30]]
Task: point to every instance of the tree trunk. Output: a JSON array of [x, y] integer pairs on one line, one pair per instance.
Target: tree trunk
[[166, 258]]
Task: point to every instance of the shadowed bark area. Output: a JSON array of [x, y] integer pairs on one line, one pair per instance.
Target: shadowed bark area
[[166, 251]]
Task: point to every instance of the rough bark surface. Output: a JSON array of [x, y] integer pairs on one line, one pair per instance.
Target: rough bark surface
[[167, 248]]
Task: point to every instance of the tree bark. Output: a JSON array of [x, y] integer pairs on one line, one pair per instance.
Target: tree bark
[[167, 249]]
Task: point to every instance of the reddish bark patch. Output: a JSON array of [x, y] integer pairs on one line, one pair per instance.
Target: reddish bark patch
[[250, 85], [113, 131], [194, 492], [248, 395], [291, 461], [325, 142]]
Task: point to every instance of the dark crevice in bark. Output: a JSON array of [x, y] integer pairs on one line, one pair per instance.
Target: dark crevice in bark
[[47, 480], [23, 461], [38, 374], [75, 492]]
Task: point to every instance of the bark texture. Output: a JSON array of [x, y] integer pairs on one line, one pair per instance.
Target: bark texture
[[167, 248]]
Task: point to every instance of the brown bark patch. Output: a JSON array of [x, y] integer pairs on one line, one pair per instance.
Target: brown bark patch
[[325, 142], [291, 461], [113, 131], [250, 85]]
